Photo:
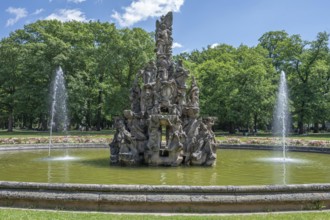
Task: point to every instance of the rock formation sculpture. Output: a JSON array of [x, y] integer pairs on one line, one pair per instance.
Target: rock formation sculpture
[[163, 126]]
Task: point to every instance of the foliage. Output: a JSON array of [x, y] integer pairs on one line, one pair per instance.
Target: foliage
[[237, 84], [307, 66], [99, 62]]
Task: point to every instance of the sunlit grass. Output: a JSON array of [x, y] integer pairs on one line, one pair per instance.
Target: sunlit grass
[[311, 139], [16, 214], [29, 133]]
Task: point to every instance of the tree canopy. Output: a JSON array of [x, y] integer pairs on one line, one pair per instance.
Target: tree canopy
[[237, 84], [99, 62]]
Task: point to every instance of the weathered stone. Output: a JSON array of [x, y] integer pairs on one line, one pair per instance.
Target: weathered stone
[[162, 127], [165, 198]]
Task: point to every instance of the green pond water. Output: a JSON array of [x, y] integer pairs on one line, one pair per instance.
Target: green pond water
[[234, 167]]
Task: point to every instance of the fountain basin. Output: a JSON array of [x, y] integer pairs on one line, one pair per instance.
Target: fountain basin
[[163, 189], [147, 198]]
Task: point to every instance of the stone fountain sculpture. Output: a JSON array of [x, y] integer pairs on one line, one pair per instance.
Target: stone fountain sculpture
[[163, 126]]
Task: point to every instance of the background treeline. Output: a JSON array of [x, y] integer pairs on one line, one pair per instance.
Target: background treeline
[[237, 85], [99, 63]]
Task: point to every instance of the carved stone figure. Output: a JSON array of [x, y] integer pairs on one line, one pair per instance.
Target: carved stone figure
[[147, 100], [181, 97], [167, 92], [194, 94], [149, 73], [181, 75], [135, 96], [136, 126], [209, 122], [154, 134], [190, 127], [163, 74], [162, 63], [204, 151], [114, 145], [163, 126], [164, 34], [176, 136], [122, 147]]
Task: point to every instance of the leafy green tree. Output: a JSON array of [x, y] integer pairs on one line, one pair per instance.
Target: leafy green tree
[[302, 61], [254, 81], [10, 78], [43, 53], [134, 49], [99, 62], [236, 85]]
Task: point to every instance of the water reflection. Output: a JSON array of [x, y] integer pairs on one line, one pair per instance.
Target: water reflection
[[281, 167], [284, 173], [163, 178], [234, 167]]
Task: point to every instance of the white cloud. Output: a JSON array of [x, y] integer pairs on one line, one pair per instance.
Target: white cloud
[[76, 1], [19, 13], [140, 10], [67, 15], [176, 45], [214, 45], [38, 11]]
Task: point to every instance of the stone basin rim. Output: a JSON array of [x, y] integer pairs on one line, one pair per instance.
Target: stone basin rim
[[311, 187], [170, 199], [307, 149]]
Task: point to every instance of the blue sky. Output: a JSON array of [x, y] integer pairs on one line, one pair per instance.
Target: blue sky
[[197, 23]]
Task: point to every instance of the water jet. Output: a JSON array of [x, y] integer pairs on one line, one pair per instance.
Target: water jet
[[58, 105]]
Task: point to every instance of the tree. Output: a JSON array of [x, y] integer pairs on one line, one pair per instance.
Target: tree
[[10, 78], [99, 63], [134, 49], [254, 81], [301, 60], [236, 85]]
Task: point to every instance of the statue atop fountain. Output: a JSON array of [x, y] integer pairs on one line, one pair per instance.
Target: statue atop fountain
[[163, 126]]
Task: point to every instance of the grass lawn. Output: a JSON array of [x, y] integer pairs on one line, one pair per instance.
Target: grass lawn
[[23, 136], [17, 214], [29, 133], [311, 139], [307, 136], [39, 137]]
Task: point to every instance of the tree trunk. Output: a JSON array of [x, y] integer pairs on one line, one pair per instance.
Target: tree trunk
[[10, 120], [88, 116], [316, 127], [99, 111], [30, 125], [300, 127], [301, 119], [323, 126], [231, 128], [44, 122], [255, 124]]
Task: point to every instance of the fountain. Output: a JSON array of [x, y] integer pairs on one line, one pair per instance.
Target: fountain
[[163, 126], [59, 115], [161, 129], [281, 114]]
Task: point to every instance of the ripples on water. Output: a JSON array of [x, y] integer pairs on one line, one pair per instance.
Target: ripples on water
[[234, 167]]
